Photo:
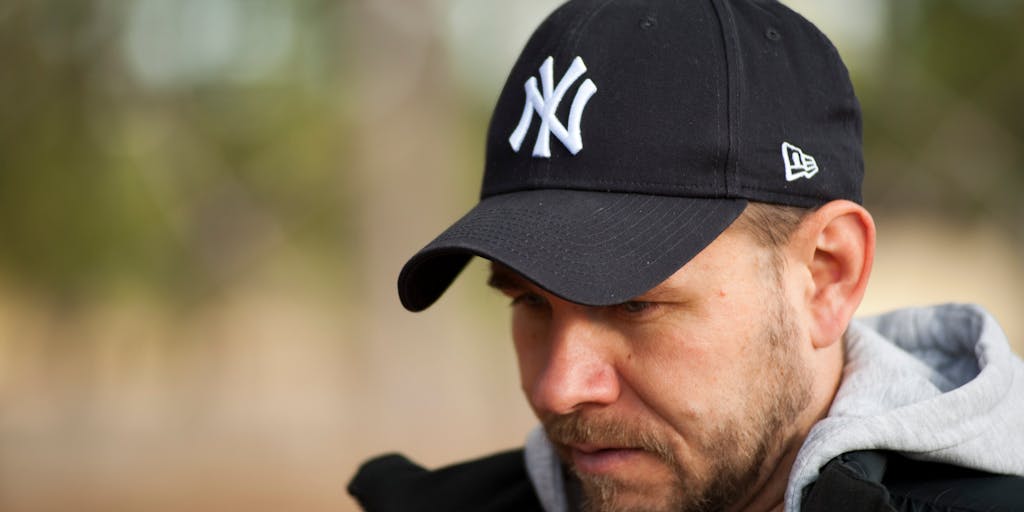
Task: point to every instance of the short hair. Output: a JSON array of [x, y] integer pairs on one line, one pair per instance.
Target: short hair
[[771, 225]]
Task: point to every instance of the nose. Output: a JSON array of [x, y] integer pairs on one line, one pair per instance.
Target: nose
[[579, 369]]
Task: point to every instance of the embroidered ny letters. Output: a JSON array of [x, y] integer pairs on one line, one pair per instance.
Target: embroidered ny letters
[[545, 100]]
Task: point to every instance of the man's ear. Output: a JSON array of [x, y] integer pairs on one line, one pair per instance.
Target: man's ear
[[837, 244]]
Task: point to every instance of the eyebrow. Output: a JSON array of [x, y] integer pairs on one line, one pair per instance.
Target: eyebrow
[[659, 292]]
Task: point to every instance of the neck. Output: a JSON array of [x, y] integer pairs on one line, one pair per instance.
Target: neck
[[770, 491]]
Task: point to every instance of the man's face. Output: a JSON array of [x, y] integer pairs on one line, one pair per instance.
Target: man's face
[[681, 399]]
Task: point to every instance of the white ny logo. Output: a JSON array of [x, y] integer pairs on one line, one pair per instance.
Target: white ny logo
[[546, 105]]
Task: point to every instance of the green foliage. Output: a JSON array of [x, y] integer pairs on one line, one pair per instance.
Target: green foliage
[[106, 177], [944, 113]]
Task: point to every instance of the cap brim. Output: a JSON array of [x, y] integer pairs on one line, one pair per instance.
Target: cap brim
[[592, 248]]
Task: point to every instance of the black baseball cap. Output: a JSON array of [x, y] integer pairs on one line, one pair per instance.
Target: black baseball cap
[[631, 133]]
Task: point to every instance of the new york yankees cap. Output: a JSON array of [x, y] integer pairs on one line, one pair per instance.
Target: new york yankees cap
[[631, 133]]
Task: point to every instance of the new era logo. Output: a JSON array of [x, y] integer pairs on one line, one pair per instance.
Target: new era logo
[[798, 164], [545, 100]]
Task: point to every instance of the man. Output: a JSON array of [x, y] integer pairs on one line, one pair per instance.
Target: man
[[671, 202]]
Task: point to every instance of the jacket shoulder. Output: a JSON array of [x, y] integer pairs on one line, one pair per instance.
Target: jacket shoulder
[[495, 483], [915, 485], [889, 482]]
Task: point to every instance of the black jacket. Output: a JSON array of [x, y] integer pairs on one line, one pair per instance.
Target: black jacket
[[858, 481], [496, 483]]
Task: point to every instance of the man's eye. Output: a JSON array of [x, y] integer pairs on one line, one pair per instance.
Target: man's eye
[[528, 300], [636, 306]]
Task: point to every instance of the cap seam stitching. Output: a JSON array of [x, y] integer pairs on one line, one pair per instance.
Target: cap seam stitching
[[719, 11]]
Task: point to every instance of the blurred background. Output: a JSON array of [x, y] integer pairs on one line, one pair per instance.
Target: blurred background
[[204, 205]]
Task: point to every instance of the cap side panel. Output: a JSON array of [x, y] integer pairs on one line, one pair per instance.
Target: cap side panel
[[799, 94]]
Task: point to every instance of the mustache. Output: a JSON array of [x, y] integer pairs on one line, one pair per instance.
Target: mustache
[[576, 429]]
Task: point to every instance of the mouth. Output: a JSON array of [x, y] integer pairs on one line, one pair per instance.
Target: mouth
[[598, 460]]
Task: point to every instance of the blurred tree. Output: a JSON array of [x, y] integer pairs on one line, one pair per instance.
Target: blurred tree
[[178, 182], [944, 117]]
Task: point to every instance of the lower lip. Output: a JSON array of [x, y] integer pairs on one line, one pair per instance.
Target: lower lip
[[604, 461]]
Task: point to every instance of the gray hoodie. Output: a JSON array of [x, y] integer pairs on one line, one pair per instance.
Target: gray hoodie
[[936, 384]]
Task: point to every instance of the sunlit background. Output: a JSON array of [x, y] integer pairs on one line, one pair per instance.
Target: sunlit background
[[204, 205]]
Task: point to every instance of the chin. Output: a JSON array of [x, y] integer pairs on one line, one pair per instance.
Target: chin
[[647, 491]]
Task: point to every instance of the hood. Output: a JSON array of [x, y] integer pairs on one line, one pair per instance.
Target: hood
[[938, 384]]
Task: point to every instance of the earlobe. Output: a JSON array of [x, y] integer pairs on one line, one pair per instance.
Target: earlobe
[[840, 263]]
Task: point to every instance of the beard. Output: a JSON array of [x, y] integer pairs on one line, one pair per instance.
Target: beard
[[735, 449]]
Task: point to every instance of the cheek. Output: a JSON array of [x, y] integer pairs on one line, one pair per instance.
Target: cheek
[[528, 336], [668, 368], [691, 373]]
